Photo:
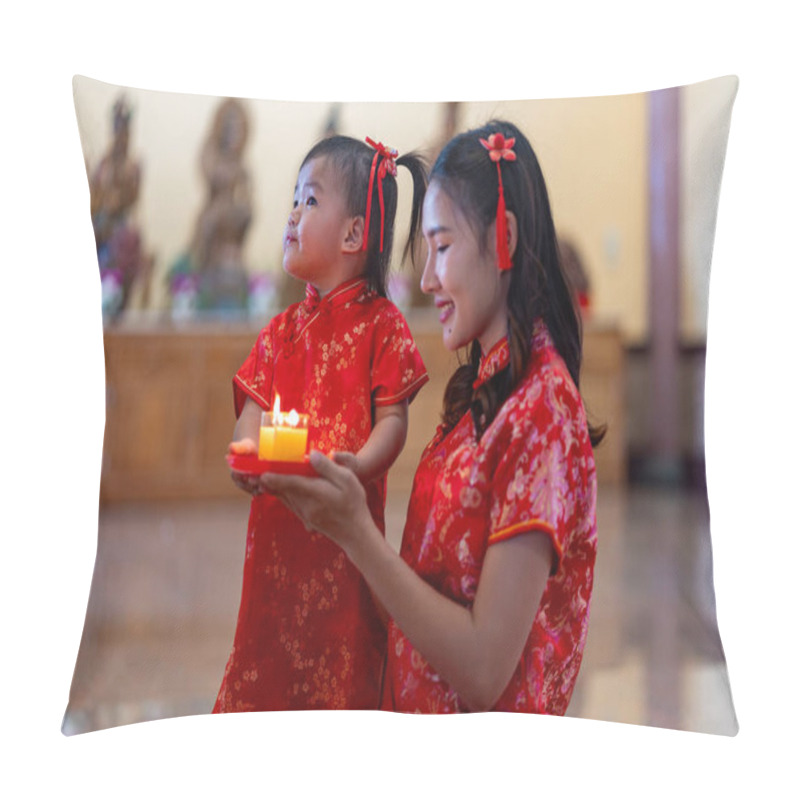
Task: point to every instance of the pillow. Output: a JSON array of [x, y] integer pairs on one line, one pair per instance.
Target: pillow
[[634, 184]]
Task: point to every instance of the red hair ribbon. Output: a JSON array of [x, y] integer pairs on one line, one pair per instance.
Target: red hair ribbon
[[500, 150], [387, 165]]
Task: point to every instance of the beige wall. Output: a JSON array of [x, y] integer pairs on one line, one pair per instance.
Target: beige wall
[[592, 150], [706, 112]]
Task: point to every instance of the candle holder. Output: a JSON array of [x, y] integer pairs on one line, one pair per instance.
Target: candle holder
[[283, 437]]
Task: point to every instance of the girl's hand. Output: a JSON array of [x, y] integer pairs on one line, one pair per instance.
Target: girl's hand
[[243, 447], [349, 460], [247, 483], [334, 503]]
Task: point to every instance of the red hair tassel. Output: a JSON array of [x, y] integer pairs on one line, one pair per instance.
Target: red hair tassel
[[387, 165], [500, 150]]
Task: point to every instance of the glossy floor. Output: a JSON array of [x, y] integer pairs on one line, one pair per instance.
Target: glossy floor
[[165, 594]]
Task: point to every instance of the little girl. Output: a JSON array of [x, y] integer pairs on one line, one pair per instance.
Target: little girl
[[308, 633]]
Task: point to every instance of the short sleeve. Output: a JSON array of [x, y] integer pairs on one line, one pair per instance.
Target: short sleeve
[[398, 371], [254, 377], [533, 487]]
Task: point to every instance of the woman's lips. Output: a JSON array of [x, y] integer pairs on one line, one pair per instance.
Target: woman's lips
[[445, 310]]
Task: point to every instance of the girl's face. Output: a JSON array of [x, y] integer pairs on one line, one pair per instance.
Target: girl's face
[[469, 290], [317, 231]]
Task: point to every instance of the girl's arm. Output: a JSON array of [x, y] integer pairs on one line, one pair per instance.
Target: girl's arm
[[379, 452], [245, 441], [249, 421], [384, 444], [474, 649]]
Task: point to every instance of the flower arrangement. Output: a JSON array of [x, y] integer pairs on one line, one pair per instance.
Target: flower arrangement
[[184, 287], [262, 295]]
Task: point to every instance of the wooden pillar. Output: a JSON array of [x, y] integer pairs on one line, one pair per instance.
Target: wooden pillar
[[665, 462]]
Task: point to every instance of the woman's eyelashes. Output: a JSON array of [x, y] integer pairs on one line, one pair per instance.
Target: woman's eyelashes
[[437, 247]]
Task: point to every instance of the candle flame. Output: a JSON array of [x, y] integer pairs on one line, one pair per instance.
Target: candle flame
[[292, 418]]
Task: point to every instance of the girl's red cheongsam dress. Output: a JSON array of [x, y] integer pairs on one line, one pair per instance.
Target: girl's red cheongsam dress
[[532, 470], [308, 635]]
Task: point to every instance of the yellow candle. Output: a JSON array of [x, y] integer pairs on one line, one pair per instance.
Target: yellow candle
[[266, 443], [282, 437], [290, 444]]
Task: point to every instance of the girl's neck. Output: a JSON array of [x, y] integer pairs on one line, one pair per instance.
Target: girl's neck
[[327, 287]]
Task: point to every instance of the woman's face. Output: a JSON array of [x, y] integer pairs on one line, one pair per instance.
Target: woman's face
[[469, 290]]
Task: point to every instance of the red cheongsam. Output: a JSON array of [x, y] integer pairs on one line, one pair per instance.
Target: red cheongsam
[[532, 470], [308, 635]]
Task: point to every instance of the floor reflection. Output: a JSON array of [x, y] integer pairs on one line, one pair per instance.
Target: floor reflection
[[166, 588], [654, 655]]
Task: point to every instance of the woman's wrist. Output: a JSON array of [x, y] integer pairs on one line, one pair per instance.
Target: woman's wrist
[[364, 544]]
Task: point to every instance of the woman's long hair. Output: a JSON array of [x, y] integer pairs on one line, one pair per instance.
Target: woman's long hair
[[351, 159], [538, 286]]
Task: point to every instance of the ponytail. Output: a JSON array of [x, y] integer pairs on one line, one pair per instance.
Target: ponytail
[[416, 165]]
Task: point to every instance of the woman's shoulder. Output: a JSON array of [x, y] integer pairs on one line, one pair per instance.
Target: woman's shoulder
[[545, 407], [550, 382], [547, 390], [547, 364]]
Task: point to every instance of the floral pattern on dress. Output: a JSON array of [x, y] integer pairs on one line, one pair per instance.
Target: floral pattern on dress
[[533, 470], [308, 634]]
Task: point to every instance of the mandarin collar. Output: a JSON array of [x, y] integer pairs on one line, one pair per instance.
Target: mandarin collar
[[499, 355], [491, 363], [343, 293]]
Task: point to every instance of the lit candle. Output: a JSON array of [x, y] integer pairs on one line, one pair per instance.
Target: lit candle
[[282, 437]]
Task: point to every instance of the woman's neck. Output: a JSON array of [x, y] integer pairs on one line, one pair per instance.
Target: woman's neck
[[496, 332]]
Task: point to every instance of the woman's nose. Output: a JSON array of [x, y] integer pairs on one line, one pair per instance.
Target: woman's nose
[[429, 283]]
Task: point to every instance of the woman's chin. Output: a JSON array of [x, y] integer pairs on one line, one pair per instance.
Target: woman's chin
[[451, 341]]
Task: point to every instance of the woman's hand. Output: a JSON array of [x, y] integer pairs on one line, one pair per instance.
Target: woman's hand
[[335, 503], [247, 483]]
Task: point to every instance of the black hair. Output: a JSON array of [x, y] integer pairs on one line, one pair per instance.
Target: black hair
[[538, 286], [352, 160]]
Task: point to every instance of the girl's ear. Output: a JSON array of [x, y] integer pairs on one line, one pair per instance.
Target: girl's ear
[[513, 233], [354, 235]]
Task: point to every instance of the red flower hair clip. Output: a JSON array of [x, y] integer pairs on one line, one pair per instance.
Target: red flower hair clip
[[387, 164], [500, 149]]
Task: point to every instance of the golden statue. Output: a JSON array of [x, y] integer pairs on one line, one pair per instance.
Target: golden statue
[[216, 247], [114, 190]]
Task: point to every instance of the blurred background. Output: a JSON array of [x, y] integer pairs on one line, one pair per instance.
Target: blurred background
[[189, 196]]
